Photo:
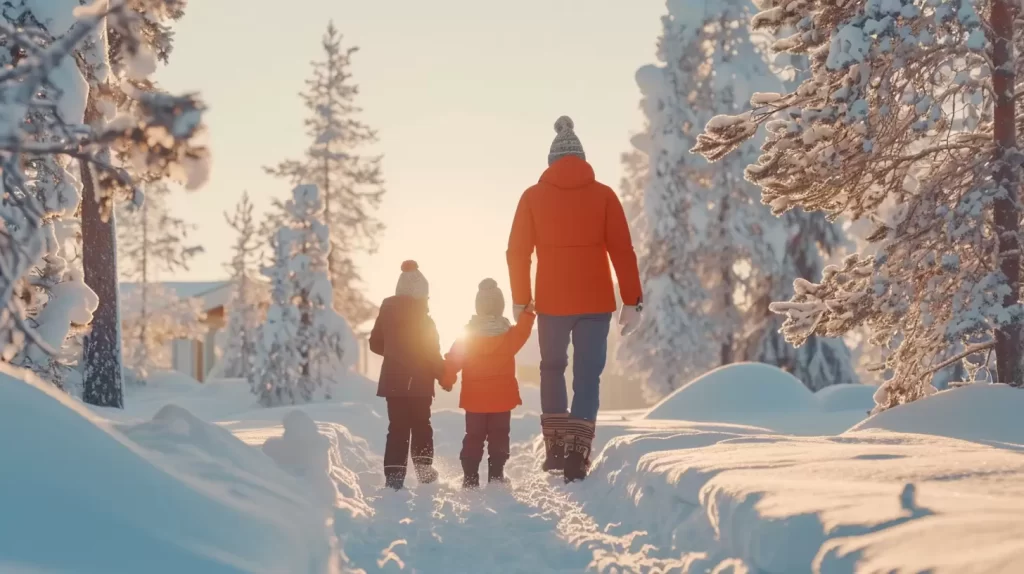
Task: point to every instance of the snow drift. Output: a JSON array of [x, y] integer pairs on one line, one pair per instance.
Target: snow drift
[[880, 502], [986, 413], [846, 398], [760, 395], [171, 495], [736, 393]]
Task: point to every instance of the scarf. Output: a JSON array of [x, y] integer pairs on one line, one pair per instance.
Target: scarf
[[488, 326]]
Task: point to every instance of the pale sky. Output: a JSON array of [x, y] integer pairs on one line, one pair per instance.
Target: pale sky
[[463, 93]]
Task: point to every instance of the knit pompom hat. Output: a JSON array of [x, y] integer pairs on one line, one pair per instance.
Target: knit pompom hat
[[489, 300], [412, 283], [566, 142]]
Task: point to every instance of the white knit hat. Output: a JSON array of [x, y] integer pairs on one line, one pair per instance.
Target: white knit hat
[[566, 142], [412, 283], [489, 300]]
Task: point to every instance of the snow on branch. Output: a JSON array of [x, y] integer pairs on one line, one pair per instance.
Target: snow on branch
[[51, 66], [897, 121]]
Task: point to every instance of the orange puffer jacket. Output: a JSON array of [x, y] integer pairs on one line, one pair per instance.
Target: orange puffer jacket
[[488, 366], [575, 224]]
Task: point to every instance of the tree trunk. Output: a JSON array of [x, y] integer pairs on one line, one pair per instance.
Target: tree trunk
[[144, 286], [102, 377], [727, 288], [1007, 213]]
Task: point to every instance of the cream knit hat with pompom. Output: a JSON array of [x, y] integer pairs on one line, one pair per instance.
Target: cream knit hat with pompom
[[566, 142], [412, 283], [489, 300]]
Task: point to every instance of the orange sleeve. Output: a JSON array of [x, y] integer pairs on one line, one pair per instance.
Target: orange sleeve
[[452, 364], [521, 242], [620, 249], [519, 333]]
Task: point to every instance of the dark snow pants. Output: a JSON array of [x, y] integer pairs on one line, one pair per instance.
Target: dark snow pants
[[408, 424], [589, 336], [492, 428]]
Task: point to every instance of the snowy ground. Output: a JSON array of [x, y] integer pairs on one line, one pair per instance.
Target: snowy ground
[[213, 484]]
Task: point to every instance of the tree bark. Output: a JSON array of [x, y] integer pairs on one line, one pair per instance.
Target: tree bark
[[727, 287], [1007, 211], [102, 377]]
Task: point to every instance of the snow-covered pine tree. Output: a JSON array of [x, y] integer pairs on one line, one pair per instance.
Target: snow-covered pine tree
[[632, 185], [59, 302], [116, 64], [304, 341], [351, 183], [910, 103], [42, 102], [245, 309], [150, 241], [704, 224], [821, 361]]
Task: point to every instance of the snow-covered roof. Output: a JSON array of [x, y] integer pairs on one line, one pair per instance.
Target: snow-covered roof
[[213, 293]]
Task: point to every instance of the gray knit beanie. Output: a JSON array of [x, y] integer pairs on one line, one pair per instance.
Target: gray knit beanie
[[412, 283], [489, 300], [566, 142]]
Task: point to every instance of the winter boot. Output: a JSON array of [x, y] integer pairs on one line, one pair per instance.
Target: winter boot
[[553, 429], [426, 474], [496, 471], [578, 440], [471, 474], [394, 477]]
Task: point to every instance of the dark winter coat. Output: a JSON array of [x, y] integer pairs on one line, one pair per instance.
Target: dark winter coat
[[406, 337]]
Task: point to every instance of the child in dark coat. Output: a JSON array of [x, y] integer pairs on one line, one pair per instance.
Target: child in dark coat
[[405, 335], [487, 358]]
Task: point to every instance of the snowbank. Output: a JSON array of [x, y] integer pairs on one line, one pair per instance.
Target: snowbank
[[846, 398], [986, 413], [875, 502], [760, 395], [171, 495], [736, 393]]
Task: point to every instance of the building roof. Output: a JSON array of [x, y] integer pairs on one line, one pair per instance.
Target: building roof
[[213, 294]]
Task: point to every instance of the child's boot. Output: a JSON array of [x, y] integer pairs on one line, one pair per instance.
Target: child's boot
[[578, 440], [394, 477], [471, 473], [426, 473], [496, 471]]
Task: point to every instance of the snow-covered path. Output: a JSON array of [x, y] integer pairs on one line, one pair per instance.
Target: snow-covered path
[[534, 525], [220, 486]]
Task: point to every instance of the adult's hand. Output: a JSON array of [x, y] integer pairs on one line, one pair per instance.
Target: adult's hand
[[629, 319]]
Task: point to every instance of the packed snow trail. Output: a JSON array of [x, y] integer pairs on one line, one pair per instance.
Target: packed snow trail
[[534, 525], [666, 495]]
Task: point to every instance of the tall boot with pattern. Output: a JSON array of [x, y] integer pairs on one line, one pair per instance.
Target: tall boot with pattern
[[553, 428], [579, 437]]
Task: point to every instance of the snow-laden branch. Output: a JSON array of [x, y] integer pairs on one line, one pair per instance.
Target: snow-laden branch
[[43, 92]]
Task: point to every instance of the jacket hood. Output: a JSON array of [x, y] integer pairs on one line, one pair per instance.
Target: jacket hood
[[404, 304], [570, 172]]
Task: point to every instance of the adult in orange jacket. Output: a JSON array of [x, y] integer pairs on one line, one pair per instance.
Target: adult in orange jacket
[[574, 224], [487, 358]]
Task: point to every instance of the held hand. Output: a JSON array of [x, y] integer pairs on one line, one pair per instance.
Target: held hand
[[530, 309], [629, 319], [516, 311]]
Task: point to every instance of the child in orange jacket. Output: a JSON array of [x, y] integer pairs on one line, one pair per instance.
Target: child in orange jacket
[[487, 358]]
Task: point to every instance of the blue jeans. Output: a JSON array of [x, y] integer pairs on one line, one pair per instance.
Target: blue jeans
[[589, 335]]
